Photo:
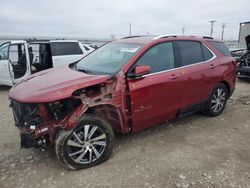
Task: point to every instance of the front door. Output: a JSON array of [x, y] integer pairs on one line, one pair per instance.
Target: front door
[[19, 65], [5, 78], [155, 97]]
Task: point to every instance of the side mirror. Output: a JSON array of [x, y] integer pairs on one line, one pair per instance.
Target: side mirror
[[140, 71]]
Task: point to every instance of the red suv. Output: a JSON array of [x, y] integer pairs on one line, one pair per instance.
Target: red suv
[[125, 86]]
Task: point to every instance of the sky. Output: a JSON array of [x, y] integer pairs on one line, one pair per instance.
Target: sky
[[103, 18]]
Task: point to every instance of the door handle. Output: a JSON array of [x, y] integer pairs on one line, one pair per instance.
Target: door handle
[[212, 66], [173, 77]]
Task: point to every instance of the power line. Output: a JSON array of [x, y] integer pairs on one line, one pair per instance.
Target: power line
[[130, 28], [222, 32], [183, 30], [212, 27]]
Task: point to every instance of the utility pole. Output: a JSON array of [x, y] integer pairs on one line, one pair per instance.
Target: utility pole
[[222, 32], [183, 30], [130, 28], [212, 27]]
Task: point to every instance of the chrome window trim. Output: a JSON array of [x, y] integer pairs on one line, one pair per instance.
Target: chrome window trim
[[214, 56]]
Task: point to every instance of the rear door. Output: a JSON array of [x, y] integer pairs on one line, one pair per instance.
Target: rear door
[[64, 53], [198, 67], [155, 97], [4, 61]]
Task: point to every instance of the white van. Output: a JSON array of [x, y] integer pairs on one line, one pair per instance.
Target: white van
[[19, 59]]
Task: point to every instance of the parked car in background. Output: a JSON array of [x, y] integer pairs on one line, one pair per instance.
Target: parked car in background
[[236, 54], [20, 59], [243, 69], [89, 47], [124, 86]]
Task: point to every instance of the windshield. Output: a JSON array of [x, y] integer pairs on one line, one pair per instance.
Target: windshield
[[108, 59]]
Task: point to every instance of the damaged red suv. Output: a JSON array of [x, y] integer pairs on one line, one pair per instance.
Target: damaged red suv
[[125, 86]]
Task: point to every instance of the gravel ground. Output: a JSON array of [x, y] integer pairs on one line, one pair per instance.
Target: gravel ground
[[194, 151]]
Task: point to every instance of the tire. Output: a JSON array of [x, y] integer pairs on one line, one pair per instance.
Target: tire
[[77, 150], [217, 101]]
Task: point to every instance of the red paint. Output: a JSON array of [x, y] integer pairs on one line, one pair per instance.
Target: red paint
[[154, 99], [52, 85], [128, 104]]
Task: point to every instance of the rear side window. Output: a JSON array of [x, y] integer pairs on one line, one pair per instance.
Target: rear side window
[[65, 48], [221, 47], [190, 51], [206, 53]]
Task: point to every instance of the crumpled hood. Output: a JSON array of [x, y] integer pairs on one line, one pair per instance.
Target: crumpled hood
[[53, 84]]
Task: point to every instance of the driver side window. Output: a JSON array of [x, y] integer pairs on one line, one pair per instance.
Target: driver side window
[[4, 52], [17, 55], [159, 57]]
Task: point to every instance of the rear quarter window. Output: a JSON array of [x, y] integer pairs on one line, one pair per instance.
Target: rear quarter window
[[206, 53], [221, 47], [65, 48]]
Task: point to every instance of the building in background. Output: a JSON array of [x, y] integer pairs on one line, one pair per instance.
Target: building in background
[[244, 31]]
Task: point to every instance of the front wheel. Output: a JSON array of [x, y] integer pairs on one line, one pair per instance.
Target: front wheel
[[217, 101], [89, 144]]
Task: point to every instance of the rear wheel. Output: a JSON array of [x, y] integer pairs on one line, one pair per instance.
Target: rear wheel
[[89, 144], [217, 101]]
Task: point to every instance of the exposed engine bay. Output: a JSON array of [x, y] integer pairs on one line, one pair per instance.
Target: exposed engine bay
[[40, 123], [36, 121]]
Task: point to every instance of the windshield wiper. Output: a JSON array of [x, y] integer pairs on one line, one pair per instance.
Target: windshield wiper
[[85, 71]]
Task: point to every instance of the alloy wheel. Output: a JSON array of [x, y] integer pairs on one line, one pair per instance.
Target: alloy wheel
[[218, 100], [86, 144]]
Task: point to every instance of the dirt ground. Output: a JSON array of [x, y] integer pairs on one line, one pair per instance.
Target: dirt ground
[[194, 151]]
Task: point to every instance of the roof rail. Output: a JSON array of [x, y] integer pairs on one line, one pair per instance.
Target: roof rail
[[164, 36], [128, 37], [206, 37], [42, 40]]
